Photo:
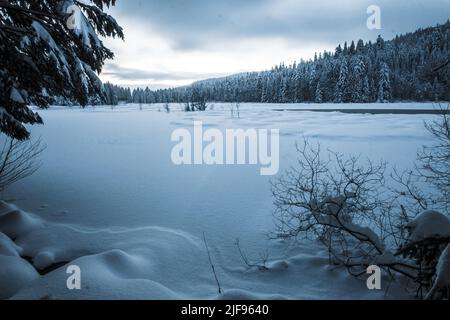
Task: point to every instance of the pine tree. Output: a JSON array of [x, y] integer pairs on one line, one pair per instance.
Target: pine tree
[[284, 92], [360, 46], [341, 86], [352, 49], [384, 84], [357, 84], [319, 94], [110, 95], [410, 74], [365, 93], [40, 57]]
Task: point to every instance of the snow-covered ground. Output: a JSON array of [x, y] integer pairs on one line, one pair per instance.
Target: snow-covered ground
[[109, 199]]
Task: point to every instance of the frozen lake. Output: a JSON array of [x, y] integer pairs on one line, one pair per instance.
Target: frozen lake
[[108, 167]]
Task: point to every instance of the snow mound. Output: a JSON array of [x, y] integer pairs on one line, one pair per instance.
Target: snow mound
[[8, 247], [429, 224], [15, 274], [116, 263], [243, 295], [61, 243], [153, 263], [110, 275], [14, 222]]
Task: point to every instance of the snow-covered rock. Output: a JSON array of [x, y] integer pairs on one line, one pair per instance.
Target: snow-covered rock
[[429, 224]]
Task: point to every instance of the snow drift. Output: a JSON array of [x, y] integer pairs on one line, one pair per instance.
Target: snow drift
[[149, 263]]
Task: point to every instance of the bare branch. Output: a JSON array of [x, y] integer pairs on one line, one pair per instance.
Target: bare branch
[[18, 160]]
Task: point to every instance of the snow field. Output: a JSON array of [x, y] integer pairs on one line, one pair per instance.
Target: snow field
[[106, 168]]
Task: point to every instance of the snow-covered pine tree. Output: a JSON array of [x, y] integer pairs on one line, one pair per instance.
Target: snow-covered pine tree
[[110, 95], [357, 84], [342, 82], [312, 81], [352, 49], [418, 63], [284, 94], [365, 90], [384, 84], [360, 47], [40, 57], [319, 93]]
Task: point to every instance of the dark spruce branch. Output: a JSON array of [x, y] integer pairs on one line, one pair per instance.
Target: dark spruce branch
[[40, 58]]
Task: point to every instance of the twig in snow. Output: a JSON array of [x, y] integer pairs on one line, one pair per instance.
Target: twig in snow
[[212, 265], [262, 266]]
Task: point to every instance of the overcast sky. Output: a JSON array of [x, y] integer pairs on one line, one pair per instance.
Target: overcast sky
[[176, 42]]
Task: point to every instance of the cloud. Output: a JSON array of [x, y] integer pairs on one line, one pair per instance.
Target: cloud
[[199, 24], [176, 42], [120, 73]]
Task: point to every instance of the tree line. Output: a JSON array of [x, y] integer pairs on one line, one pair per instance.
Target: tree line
[[401, 69]]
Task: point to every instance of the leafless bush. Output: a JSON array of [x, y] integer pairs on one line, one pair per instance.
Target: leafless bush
[[261, 264], [166, 107], [427, 185], [235, 110], [18, 160], [348, 207], [434, 161], [187, 107], [422, 190]]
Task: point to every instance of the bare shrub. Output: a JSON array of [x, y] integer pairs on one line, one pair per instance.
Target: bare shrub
[[166, 107], [261, 264], [434, 161], [350, 208], [18, 160]]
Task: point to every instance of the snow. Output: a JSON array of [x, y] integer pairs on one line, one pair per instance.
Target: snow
[[83, 28], [109, 275], [16, 96], [386, 258], [429, 224], [14, 222], [42, 34], [6, 115], [15, 274], [152, 263], [8, 247], [442, 281], [114, 204], [332, 213]]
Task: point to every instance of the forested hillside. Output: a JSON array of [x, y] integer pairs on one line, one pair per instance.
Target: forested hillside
[[400, 69]]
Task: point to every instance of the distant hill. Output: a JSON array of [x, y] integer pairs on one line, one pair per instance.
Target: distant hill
[[401, 69]]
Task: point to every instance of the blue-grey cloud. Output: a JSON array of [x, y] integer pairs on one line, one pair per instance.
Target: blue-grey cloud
[[176, 42], [121, 73], [197, 24]]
